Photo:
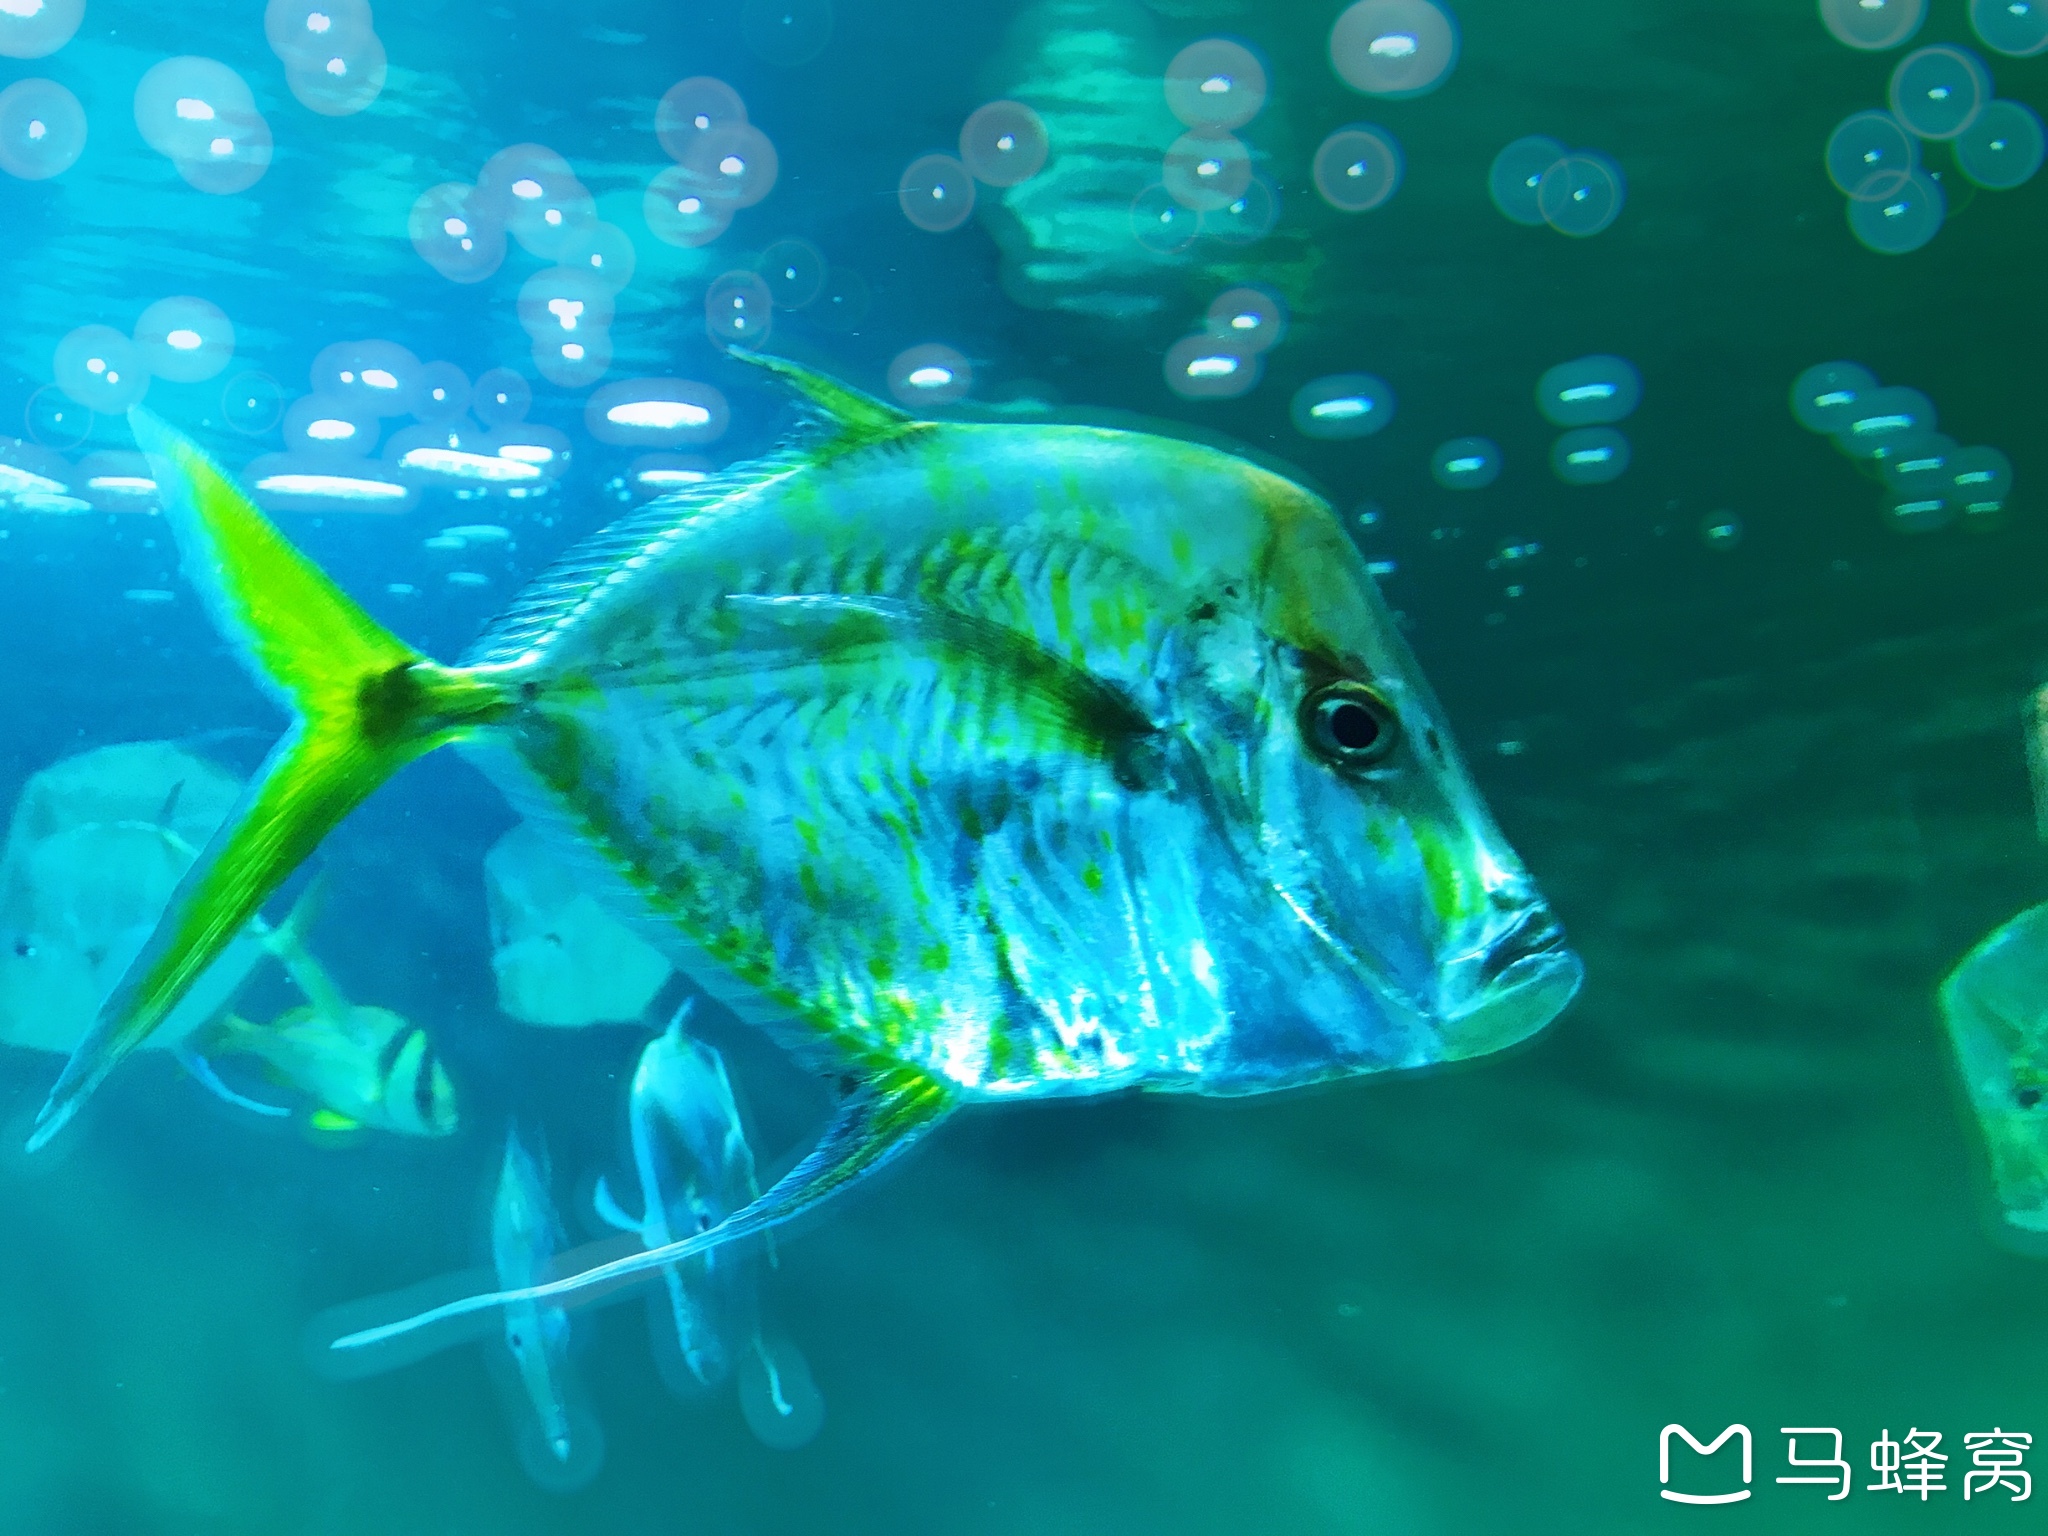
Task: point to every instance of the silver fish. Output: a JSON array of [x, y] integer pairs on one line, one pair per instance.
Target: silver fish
[[525, 1234]]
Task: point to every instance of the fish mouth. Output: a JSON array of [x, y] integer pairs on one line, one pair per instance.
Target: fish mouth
[[1525, 978]]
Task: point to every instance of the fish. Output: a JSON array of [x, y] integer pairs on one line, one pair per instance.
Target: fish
[[95, 849], [367, 1067], [694, 1169], [525, 1234], [1995, 1007], [559, 957], [974, 761]]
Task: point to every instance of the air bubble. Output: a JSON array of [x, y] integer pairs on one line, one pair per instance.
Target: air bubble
[[303, 32], [101, 369], [55, 420], [1210, 368], [739, 307], [1466, 464], [1884, 422], [1215, 83], [1206, 171], [604, 250], [533, 192], [1901, 221], [1589, 456], [1589, 391], [681, 210], [1721, 530], [1517, 173], [455, 234], [442, 393], [501, 397], [736, 164], [1919, 514], [1341, 406], [341, 78], [1870, 155], [380, 377], [1247, 218], [1003, 143], [930, 374], [1357, 169], [573, 362], [1160, 224], [2002, 149], [184, 339], [656, 413], [1979, 480], [1938, 92], [794, 271], [329, 426], [1250, 317], [1581, 194], [936, 193], [1394, 48], [564, 303], [200, 115], [252, 403], [787, 32], [692, 108], [1873, 24], [34, 29], [42, 129], [1826, 396], [2016, 28]]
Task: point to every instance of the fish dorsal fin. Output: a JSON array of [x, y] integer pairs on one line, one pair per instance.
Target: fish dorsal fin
[[844, 420]]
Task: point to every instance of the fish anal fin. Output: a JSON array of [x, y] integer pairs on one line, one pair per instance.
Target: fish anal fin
[[879, 1119], [851, 420]]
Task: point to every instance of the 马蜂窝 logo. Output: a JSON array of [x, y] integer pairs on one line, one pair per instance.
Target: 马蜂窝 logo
[[1664, 1463]]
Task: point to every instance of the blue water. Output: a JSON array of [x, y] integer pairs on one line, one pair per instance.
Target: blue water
[[1771, 779]]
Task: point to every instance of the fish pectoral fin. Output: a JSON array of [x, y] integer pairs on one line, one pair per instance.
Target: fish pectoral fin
[[1080, 709], [879, 1119], [608, 1209], [201, 1071]]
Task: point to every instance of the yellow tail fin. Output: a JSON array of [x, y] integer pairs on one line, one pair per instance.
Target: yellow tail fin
[[363, 704]]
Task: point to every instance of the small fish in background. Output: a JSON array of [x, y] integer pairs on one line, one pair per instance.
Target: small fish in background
[[1995, 1003], [695, 1168], [369, 1068], [560, 1443], [96, 846]]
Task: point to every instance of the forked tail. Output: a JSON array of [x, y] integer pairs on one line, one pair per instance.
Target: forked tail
[[363, 704]]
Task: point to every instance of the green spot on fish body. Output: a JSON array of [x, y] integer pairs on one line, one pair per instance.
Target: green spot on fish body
[[1091, 876]]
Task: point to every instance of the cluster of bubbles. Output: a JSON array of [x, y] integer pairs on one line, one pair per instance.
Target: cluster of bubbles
[[1941, 94], [1207, 185], [1890, 429], [472, 438], [658, 416], [722, 162], [1536, 181], [35, 29], [528, 192], [1002, 144], [333, 60], [1226, 357], [183, 340], [201, 116], [1586, 396], [42, 126], [2018, 28]]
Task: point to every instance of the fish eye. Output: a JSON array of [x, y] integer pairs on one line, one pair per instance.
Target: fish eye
[[1349, 725], [2027, 1098]]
